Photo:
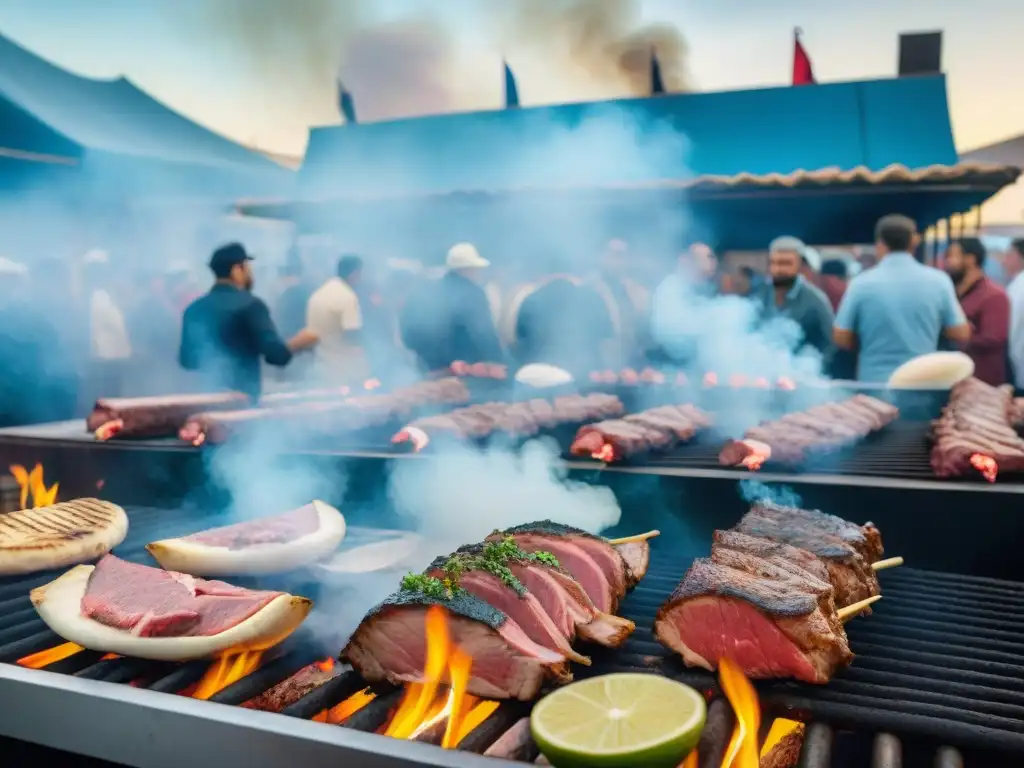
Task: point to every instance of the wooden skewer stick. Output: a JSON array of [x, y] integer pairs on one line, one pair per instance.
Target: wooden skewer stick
[[635, 538], [847, 613], [890, 562]]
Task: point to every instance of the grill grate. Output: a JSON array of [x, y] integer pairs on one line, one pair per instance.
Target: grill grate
[[938, 663]]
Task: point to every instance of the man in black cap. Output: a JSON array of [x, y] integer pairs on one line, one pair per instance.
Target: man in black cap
[[226, 332]]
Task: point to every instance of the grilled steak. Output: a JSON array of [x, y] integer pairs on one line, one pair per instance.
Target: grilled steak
[[508, 595], [786, 753], [977, 427], [850, 574], [822, 428], [159, 416], [768, 627], [598, 567], [774, 551], [150, 602], [390, 644], [866, 539], [655, 429]]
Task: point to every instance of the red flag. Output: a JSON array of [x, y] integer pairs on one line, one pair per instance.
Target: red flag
[[803, 73]]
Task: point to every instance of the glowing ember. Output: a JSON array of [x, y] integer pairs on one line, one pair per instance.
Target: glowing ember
[[759, 454], [225, 671], [607, 453], [425, 705], [50, 656], [109, 429], [341, 712], [109, 656], [371, 384], [32, 485], [414, 435], [986, 465], [737, 380], [786, 383], [742, 751], [325, 665], [710, 379]]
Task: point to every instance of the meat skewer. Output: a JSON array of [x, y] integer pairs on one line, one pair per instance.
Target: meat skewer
[[160, 416], [656, 429], [822, 428]]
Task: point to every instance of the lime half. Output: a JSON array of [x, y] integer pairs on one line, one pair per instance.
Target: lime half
[[627, 720]]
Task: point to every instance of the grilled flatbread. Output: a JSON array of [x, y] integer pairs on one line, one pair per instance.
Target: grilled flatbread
[[59, 603], [316, 531], [60, 535]]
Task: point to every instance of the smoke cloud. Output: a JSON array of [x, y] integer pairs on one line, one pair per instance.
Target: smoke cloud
[[754, 491]]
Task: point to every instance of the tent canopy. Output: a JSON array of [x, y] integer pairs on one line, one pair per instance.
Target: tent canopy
[[49, 111]]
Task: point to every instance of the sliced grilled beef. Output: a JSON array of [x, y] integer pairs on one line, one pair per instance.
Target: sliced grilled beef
[[390, 644], [775, 551], [766, 626]]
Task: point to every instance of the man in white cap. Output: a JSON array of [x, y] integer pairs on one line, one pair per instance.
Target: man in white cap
[[455, 321], [793, 296]]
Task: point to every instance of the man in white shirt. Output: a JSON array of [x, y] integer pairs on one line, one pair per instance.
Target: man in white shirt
[[1013, 267], [333, 314]]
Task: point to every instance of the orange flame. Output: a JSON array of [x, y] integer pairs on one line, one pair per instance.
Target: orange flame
[[606, 454], [342, 711], [986, 465], [414, 435], [49, 656], [424, 705], [326, 665], [31, 484], [226, 670], [759, 454], [742, 751], [691, 761], [780, 729]]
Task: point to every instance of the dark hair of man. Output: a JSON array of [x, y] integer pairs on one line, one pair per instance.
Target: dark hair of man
[[834, 267], [1018, 245], [896, 232], [348, 265], [972, 246]]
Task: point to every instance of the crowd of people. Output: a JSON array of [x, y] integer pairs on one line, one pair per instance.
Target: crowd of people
[[104, 337]]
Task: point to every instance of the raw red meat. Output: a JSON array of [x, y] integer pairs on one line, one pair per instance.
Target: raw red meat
[[154, 603], [268, 530]]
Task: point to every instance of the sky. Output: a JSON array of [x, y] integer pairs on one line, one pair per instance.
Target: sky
[[262, 71]]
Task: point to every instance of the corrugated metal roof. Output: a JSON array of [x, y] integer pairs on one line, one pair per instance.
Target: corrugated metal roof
[[108, 115]]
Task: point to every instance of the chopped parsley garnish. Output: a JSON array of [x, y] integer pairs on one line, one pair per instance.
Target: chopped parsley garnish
[[438, 589]]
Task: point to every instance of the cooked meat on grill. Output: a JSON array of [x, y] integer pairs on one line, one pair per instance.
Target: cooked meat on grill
[[774, 551], [821, 428], [785, 753], [495, 371], [769, 627], [521, 419], [317, 417], [866, 539], [655, 429], [473, 573], [850, 574], [390, 644], [596, 564], [299, 685], [59, 535], [975, 429], [628, 376], [267, 545], [1017, 412], [134, 610], [160, 416]]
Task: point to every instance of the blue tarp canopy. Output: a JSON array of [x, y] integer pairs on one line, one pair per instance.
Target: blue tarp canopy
[[737, 160], [49, 116]]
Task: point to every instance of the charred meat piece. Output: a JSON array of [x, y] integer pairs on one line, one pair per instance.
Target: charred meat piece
[[850, 574], [822, 428], [655, 429], [766, 626], [159, 416], [975, 433], [289, 691], [598, 566], [866, 539], [390, 644], [774, 551], [506, 593], [785, 753]]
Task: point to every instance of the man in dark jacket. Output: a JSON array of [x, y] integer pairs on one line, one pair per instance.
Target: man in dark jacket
[[226, 332], [451, 319]]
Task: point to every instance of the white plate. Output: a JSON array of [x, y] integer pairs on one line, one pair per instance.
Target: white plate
[[938, 370]]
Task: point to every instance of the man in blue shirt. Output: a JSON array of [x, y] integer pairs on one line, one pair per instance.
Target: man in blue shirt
[[900, 309]]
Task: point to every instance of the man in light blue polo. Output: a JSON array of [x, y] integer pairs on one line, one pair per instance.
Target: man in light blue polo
[[900, 309]]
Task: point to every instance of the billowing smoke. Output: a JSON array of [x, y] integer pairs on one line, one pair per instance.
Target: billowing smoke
[[463, 495], [754, 491], [605, 43]]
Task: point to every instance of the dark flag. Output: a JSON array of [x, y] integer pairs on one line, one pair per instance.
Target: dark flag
[[803, 73], [346, 104], [657, 84], [511, 90]]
